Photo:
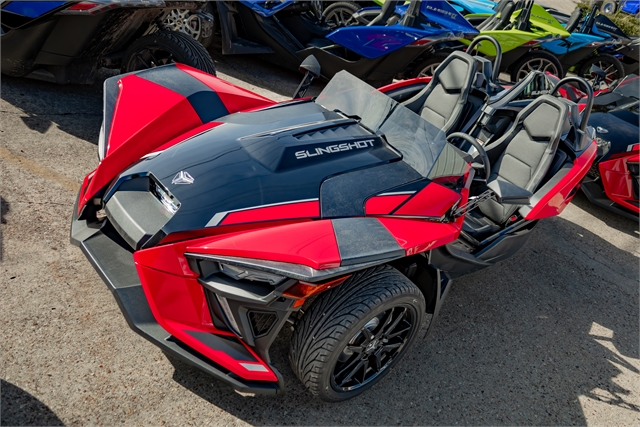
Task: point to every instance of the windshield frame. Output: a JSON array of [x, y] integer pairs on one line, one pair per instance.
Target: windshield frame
[[418, 141]]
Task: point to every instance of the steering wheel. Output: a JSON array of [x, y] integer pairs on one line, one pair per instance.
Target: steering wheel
[[482, 154], [498, 58]]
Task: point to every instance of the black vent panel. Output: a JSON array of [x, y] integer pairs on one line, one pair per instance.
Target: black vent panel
[[261, 322], [634, 170]]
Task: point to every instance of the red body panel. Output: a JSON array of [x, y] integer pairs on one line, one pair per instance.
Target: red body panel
[[384, 205], [309, 209], [416, 235], [233, 97], [193, 132], [405, 83], [179, 306], [554, 202], [617, 180], [149, 117], [433, 201], [311, 243]]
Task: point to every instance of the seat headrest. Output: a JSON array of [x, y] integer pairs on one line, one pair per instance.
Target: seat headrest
[[484, 67], [574, 20], [455, 72], [544, 118]]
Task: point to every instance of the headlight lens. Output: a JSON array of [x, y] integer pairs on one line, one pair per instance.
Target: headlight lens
[[239, 273], [168, 201]]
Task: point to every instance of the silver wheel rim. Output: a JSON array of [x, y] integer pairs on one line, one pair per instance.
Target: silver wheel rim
[[428, 70], [185, 21], [536, 64], [338, 17], [610, 70]]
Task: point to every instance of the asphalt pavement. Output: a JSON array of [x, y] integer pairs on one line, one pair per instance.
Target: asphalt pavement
[[549, 337]]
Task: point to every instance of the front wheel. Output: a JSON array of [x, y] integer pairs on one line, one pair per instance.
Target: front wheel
[[428, 66], [166, 47], [351, 336], [612, 67], [537, 60], [338, 14]]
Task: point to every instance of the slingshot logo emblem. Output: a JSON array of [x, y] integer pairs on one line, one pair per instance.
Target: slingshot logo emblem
[[182, 177], [601, 130]]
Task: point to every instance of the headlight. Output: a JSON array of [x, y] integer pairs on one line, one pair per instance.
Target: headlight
[[166, 199], [239, 273], [102, 143]]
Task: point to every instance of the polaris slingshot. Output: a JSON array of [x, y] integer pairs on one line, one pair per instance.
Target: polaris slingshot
[[219, 216]]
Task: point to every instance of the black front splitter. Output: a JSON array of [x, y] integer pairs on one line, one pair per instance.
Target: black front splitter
[[113, 260]]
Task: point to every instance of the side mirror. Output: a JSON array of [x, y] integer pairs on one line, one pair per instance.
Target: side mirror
[[310, 67], [508, 193]]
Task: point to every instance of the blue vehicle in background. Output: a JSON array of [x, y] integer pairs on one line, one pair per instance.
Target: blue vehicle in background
[[595, 40], [287, 32]]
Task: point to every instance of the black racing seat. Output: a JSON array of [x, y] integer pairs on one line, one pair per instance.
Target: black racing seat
[[387, 11], [574, 20], [500, 19], [524, 154], [442, 102]]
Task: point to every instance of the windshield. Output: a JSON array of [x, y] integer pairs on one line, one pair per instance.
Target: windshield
[[419, 141], [629, 87]]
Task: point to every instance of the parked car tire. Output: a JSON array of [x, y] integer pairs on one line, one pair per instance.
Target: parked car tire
[[429, 65], [609, 63], [337, 14], [166, 47], [351, 336], [536, 60], [609, 7]]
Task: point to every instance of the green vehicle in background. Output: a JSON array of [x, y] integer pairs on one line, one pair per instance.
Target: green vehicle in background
[[519, 27]]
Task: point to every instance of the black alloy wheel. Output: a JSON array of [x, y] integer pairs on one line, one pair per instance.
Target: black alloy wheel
[[373, 348], [351, 336], [338, 14], [611, 65]]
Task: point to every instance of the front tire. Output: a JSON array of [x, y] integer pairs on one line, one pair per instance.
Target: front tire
[[608, 63], [166, 47], [537, 60], [352, 335], [609, 7]]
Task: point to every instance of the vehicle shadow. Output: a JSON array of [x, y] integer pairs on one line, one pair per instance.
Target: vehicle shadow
[[612, 219], [4, 210], [75, 109], [523, 343], [251, 71], [19, 408]]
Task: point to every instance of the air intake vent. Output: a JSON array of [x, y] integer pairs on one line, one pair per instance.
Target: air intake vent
[[261, 322], [339, 132], [634, 170]]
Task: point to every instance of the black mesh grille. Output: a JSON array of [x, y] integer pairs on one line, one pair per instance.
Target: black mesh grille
[[261, 322]]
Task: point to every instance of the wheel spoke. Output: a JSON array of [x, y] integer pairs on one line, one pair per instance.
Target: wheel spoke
[[386, 322], [388, 347], [395, 322], [351, 373], [377, 360], [139, 56], [365, 368], [354, 348], [348, 365], [368, 335], [154, 61], [396, 333]]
